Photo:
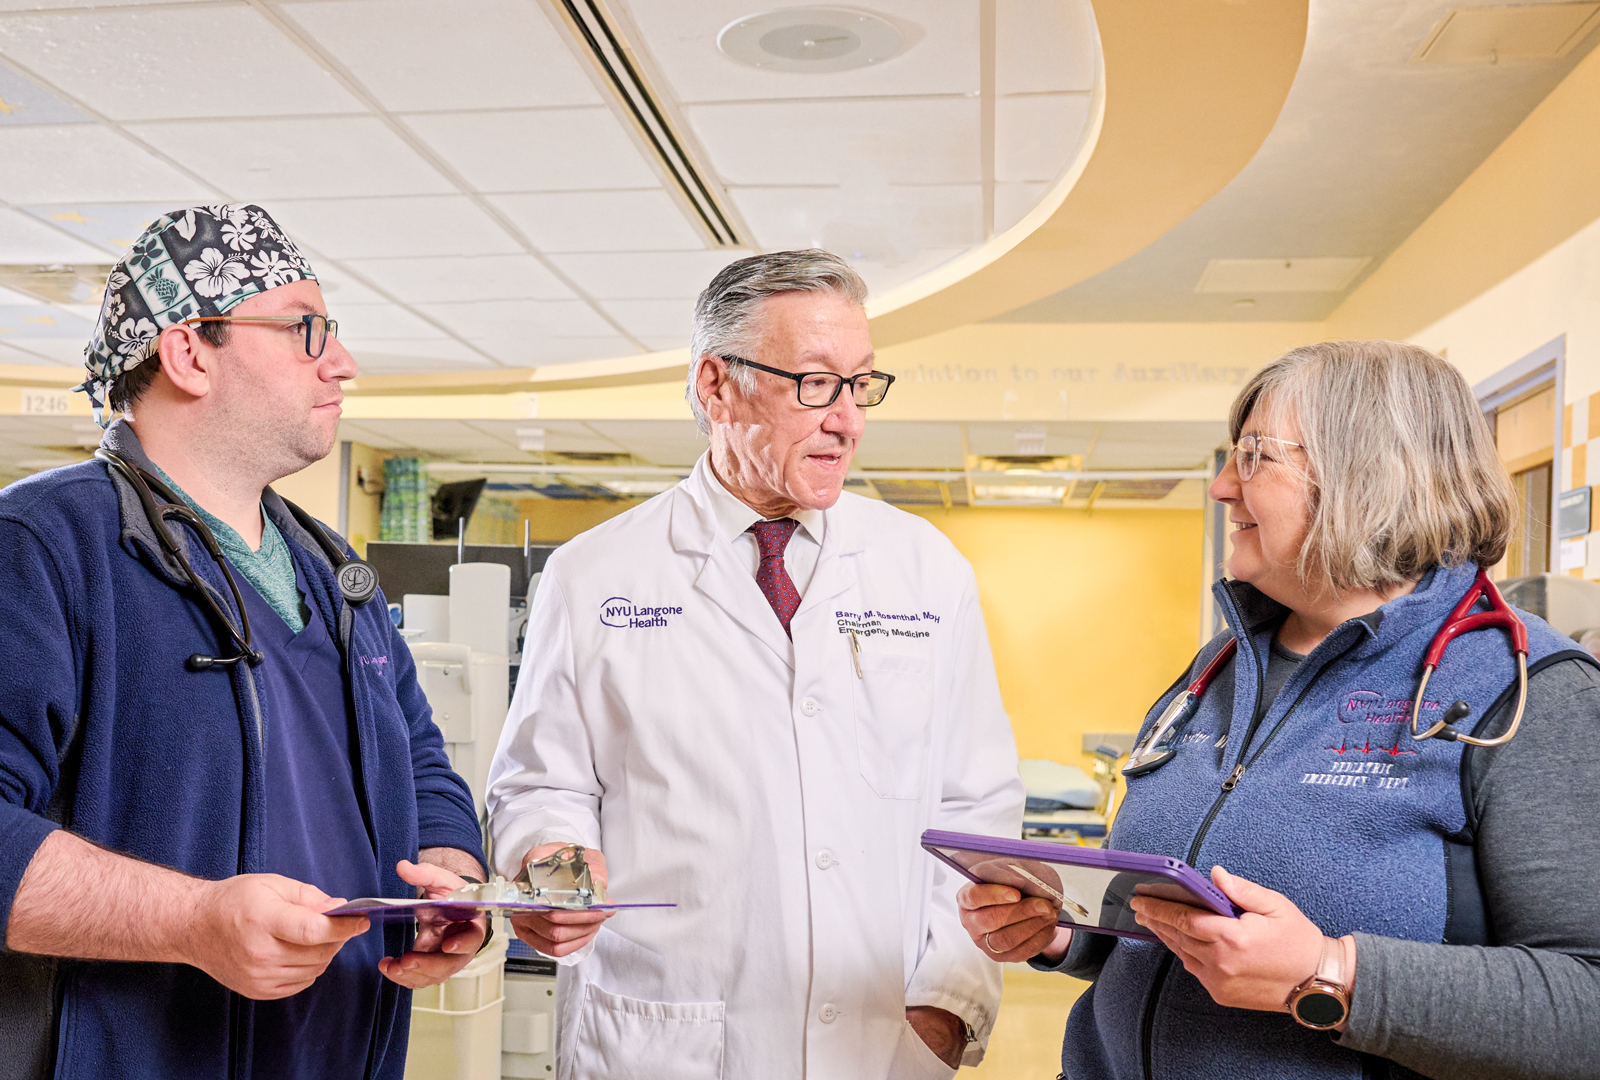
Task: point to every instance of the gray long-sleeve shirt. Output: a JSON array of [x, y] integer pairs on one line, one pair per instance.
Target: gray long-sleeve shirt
[[1527, 1006]]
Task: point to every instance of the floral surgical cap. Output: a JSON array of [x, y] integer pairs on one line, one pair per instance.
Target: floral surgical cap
[[189, 263]]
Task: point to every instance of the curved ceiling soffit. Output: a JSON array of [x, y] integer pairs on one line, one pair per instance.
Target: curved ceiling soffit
[[1186, 95]]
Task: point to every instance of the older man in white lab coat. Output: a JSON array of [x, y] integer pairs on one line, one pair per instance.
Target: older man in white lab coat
[[753, 693]]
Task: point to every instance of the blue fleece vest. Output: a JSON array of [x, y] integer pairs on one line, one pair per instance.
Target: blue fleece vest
[[1336, 807]]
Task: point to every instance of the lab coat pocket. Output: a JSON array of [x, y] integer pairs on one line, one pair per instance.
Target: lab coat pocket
[[894, 712], [913, 1060], [622, 1038]]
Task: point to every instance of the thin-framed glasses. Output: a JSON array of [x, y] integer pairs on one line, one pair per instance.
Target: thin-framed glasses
[[318, 328], [819, 389], [1247, 454]]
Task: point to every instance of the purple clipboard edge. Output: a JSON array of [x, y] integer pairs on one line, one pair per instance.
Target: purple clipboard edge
[[389, 912], [1174, 870]]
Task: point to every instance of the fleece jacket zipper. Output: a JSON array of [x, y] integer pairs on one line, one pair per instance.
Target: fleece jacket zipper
[[1148, 1022]]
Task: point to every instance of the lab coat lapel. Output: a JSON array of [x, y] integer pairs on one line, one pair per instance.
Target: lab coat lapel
[[836, 570], [722, 577]]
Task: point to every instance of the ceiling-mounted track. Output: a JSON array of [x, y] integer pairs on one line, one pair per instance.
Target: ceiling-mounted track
[[597, 32]]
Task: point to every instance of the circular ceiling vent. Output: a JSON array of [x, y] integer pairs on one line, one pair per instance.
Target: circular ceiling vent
[[816, 39]]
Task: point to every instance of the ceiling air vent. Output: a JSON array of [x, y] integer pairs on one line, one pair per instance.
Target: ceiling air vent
[[598, 35], [1489, 35]]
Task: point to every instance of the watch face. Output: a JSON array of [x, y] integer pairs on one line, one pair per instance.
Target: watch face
[[1319, 1009]]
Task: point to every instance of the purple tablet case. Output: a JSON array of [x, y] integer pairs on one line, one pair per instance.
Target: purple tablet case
[[1097, 883], [459, 911]]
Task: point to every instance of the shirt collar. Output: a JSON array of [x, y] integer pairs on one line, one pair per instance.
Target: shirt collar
[[734, 517]]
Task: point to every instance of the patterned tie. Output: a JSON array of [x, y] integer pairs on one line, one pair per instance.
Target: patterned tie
[[772, 537]]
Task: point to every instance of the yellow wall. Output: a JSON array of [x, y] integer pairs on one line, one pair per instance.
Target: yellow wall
[[1090, 616], [315, 488]]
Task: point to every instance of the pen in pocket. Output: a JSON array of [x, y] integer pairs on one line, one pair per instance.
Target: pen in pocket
[[855, 653]]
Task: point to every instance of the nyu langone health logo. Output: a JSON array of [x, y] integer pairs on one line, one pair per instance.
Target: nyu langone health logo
[[621, 612]]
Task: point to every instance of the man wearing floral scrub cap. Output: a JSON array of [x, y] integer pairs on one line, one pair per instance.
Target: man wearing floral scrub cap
[[173, 825]]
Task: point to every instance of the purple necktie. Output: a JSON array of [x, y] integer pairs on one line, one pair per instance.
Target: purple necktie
[[772, 537]]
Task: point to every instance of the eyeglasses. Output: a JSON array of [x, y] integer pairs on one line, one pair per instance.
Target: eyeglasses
[[318, 328], [1247, 454], [819, 389]]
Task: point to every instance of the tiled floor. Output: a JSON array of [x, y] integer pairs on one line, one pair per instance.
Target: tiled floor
[[1026, 1044]]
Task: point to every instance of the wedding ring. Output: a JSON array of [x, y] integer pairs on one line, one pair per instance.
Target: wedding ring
[[988, 945]]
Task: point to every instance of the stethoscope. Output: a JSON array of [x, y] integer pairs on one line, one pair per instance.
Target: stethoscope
[[358, 581], [1155, 749]]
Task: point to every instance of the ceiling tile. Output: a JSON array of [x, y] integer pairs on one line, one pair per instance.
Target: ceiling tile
[[538, 149], [669, 320], [378, 361], [535, 351], [660, 442], [24, 240], [1034, 136], [511, 319], [882, 276], [310, 158], [9, 298], [360, 322], [901, 444], [941, 57], [134, 64], [402, 226], [483, 54], [109, 226], [43, 322], [1043, 46], [440, 348], [61, 350], [47, 5], [874, 220], [340, 288], [478, 277], [665, 343], [601, 221], [650, 275], [87, 163], [23, 101], [1013, 201], [915, 141]]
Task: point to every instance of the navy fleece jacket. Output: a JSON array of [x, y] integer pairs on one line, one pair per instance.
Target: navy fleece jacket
[[104, 731]]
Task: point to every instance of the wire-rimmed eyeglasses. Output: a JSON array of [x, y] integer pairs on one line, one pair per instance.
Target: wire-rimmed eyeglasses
[[819, 389], [1247, 452], [318, 328]]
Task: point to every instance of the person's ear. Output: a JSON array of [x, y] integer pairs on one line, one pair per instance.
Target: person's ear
[[714, 386], [187, 360]]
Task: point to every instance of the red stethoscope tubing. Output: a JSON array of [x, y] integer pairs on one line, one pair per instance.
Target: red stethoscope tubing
[[1462, 620]]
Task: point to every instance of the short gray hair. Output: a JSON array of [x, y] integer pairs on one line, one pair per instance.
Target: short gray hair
[[1402, 466], [728, 315]]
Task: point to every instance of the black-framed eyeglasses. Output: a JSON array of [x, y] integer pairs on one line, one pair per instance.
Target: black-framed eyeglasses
[[819, 389], [318, 328], [1247, 453]]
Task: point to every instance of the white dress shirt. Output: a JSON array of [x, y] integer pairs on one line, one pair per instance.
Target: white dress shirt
[[734, 519]]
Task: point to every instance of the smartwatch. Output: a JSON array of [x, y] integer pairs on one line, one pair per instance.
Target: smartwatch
[[1323, 1001]]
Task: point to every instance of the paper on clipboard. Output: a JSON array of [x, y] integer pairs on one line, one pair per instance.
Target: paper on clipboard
[[561, 881], [1089, 887]]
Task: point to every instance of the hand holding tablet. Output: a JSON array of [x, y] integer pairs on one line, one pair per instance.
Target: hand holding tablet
[[1087, 888]]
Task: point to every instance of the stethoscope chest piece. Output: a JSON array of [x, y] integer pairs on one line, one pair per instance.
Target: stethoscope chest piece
[[358, 581]]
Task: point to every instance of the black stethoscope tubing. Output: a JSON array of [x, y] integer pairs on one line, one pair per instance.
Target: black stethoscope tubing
[[358, 581]]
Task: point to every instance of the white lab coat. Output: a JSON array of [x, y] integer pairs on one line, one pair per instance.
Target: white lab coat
[[764, 788]]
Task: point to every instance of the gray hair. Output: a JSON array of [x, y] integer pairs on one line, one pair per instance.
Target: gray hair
[[728, 318], [1402, 468]]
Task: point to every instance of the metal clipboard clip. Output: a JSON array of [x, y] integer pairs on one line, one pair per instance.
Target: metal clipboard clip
[[562, 879]]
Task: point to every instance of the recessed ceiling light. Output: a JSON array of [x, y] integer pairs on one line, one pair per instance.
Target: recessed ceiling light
[[811, 39]]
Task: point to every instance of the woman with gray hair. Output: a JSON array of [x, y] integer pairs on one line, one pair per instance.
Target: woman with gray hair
[[1416, 885]]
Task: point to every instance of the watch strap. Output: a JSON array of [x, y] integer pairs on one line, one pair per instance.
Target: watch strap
[[1331, 980]]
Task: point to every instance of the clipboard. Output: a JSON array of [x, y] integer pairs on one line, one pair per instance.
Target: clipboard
[[560, 881], [1090, 887]]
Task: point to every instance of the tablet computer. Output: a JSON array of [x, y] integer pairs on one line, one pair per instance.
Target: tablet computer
[[1090, 887]]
